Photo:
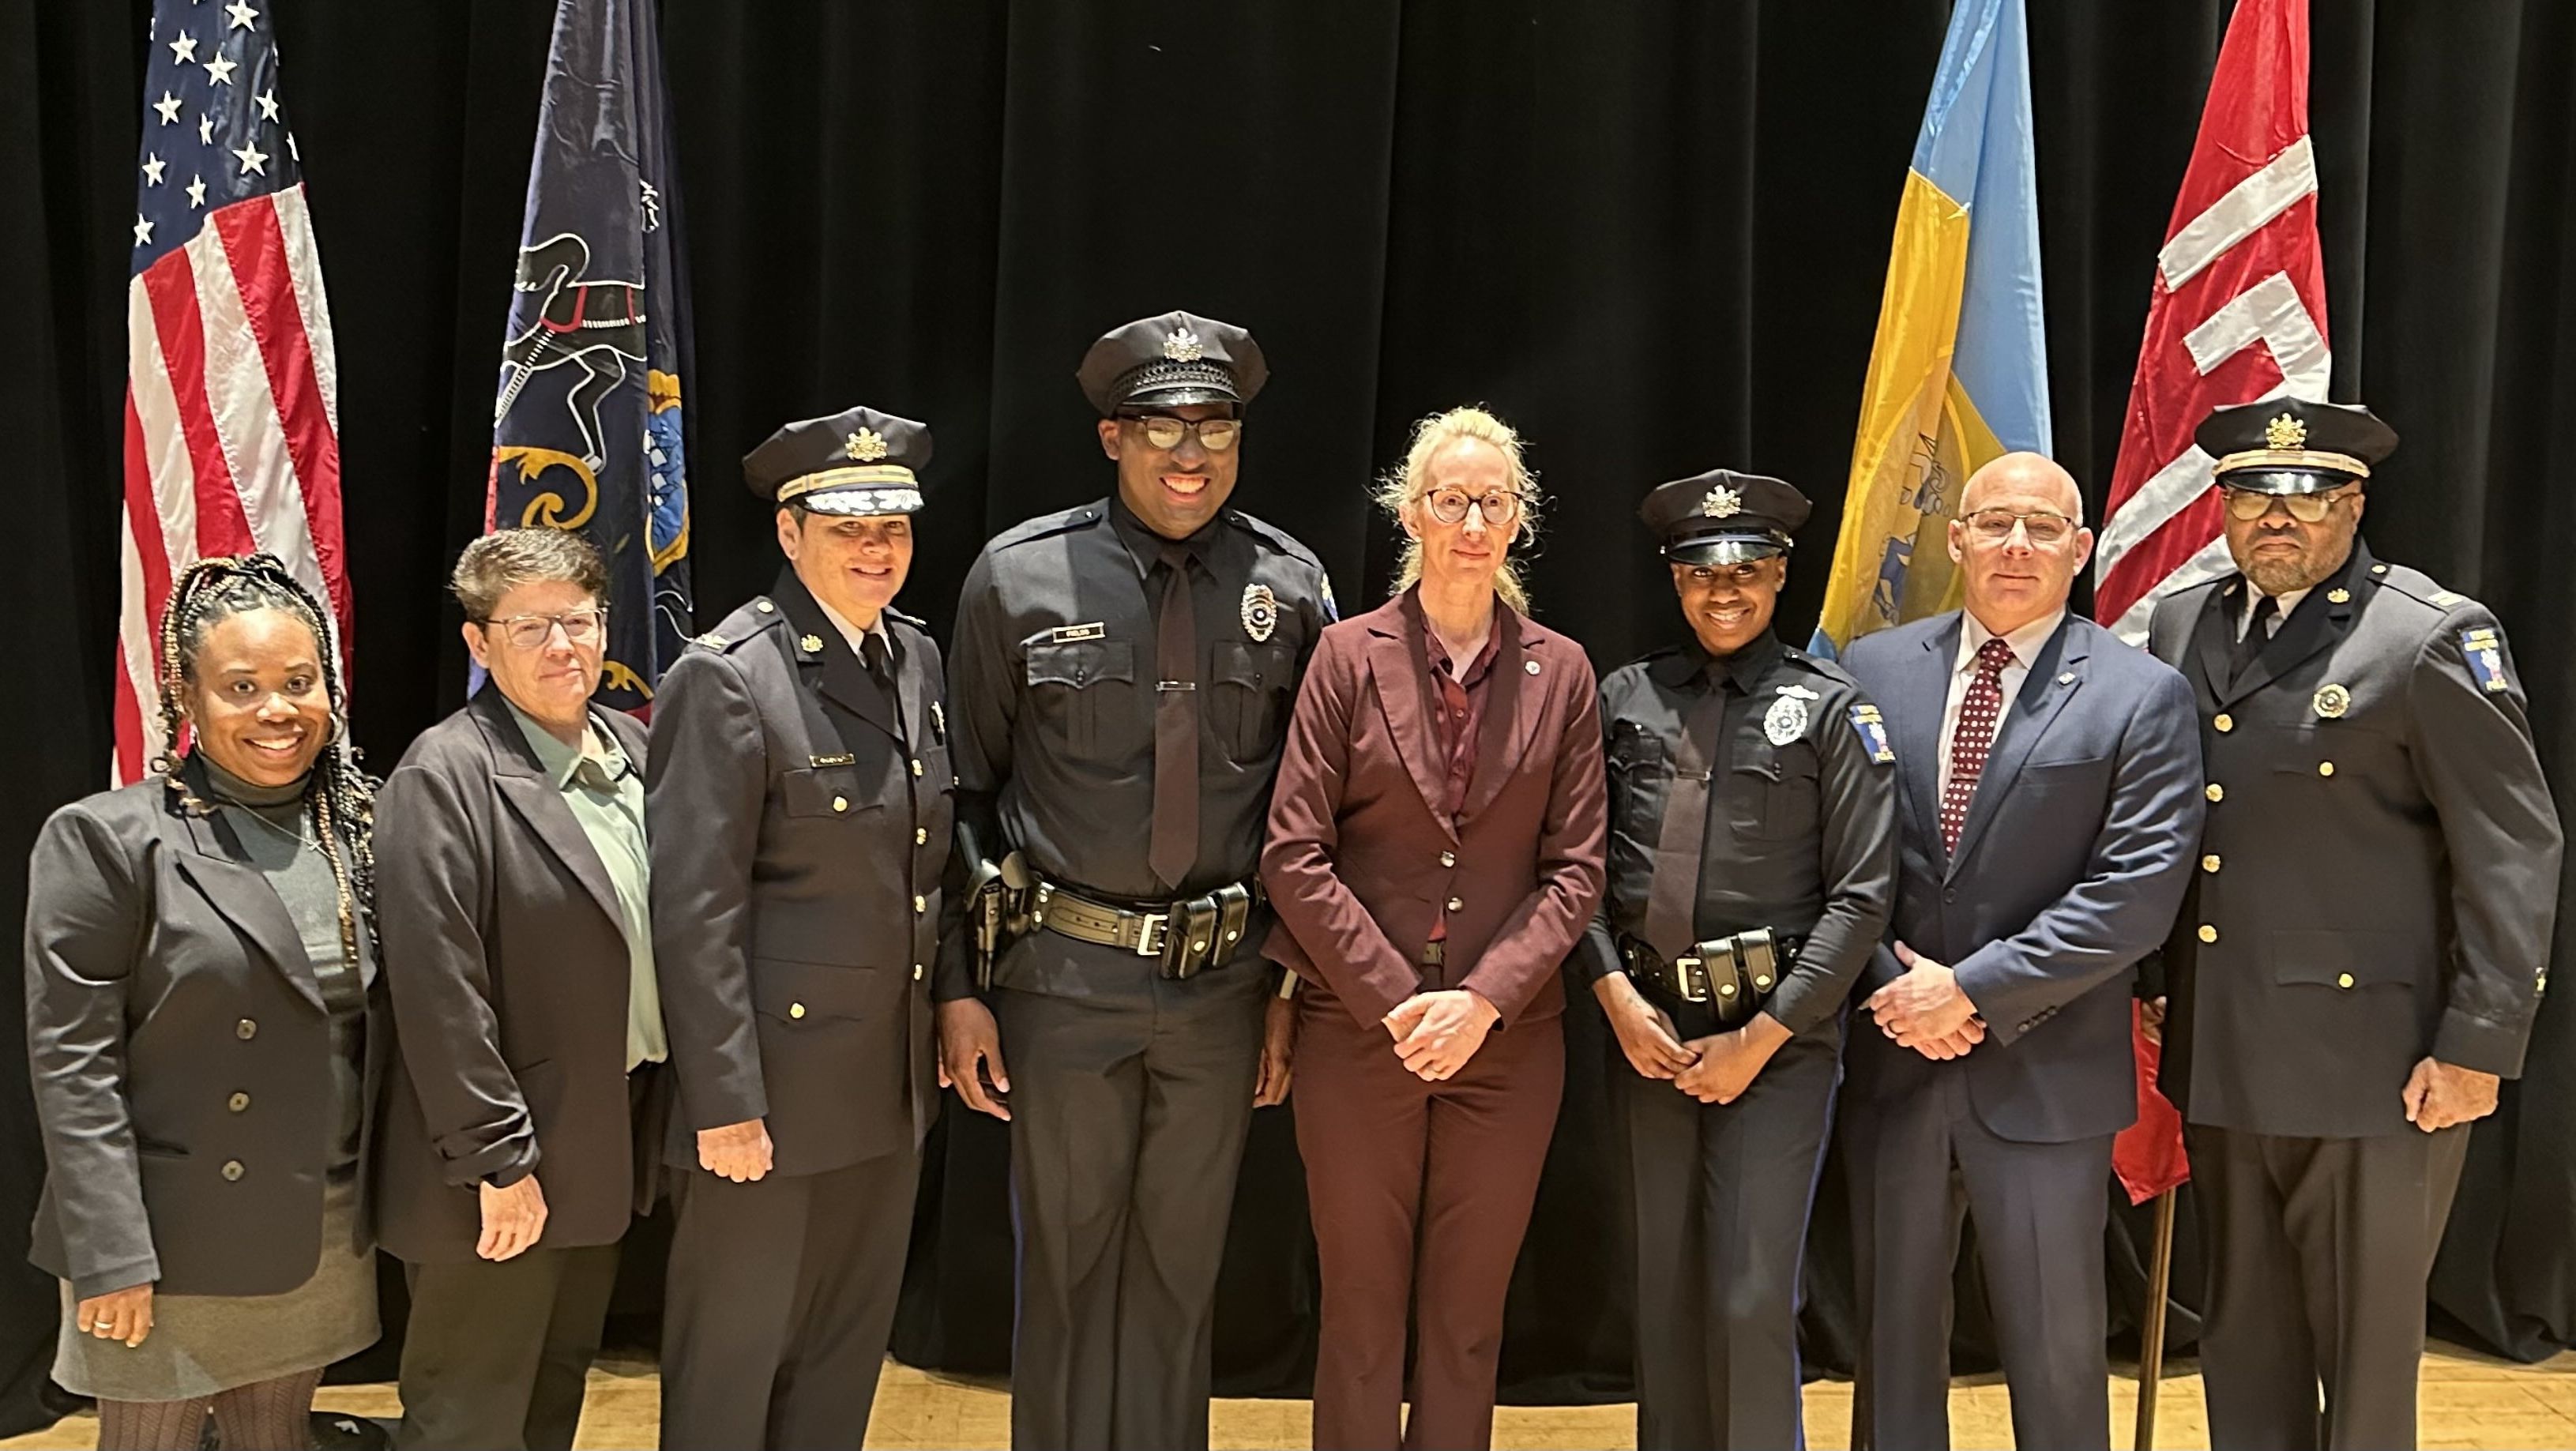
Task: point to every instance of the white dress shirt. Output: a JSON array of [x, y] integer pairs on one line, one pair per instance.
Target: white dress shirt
[[2288, 602], [854, 634], [2025, 643]]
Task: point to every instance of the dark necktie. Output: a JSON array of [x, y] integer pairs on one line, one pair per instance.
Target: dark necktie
[[1974, 737], [2258, 633], [1174, 847], [872, 653], [1672, 899]]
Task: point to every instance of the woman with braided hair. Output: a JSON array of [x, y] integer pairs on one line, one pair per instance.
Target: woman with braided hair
[[203, 1020]]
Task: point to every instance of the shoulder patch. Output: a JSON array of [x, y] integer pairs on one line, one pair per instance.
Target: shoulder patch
[[1045, 525], [2484, 647], [1872, 731]]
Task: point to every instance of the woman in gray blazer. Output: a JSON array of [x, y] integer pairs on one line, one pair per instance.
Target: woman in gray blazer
[[201, 996]]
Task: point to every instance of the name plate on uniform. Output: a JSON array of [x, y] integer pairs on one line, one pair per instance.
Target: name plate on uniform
[[842, 759], [1067, 634]]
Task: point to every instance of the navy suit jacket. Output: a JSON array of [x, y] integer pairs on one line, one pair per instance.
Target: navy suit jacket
[[2071, 864]]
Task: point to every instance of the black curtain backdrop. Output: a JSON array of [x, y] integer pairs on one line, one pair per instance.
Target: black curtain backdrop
[[1652, 234]]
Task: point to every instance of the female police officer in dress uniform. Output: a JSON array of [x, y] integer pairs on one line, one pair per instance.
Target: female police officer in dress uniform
[[1752, 867], [202, 1001]]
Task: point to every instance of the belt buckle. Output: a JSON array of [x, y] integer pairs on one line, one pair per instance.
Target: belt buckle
[[1151, 931], [1690, 969]]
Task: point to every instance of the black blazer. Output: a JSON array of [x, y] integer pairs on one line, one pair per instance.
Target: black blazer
[[181, 1056], [508, 965], [797, 884]]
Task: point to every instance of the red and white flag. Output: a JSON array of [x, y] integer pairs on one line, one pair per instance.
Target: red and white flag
[[231, 418], [2238, 314]]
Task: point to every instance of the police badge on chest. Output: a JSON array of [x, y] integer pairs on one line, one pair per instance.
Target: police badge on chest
[[1786, 720]]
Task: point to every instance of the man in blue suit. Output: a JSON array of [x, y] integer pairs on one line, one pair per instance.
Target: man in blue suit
[[2049, 786]]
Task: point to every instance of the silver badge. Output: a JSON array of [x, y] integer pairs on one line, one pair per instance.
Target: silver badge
[[1260, 612], [1786, 720], [2332, 701], [1183, 346], [1721, 503]]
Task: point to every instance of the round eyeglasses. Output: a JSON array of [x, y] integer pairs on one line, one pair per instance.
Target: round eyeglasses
[[1450, 506]]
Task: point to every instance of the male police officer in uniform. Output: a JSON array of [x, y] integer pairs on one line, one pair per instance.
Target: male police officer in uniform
[[801, 783], [2363, 950], [1752, 867], [1124, 676]]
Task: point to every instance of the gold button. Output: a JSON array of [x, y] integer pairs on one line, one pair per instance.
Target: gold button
[[840, 803], [2325, 768], [237, 1102], [2224, 722], [1448, 859], [916, 972], [2214, 791], [795, 1010], [2208, 933], [232, 1170], [246, 1030], [921, 836], [2343, 979], [2209, 863], [920, 905], [1455, 903], [916, 767]]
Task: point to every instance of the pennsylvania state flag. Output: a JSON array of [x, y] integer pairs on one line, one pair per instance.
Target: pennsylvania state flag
[[1959, 371], [586, 427]]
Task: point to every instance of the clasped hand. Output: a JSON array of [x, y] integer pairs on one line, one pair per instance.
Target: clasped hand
[[2439, 1095], [1436, 1033], [1924, 1009]]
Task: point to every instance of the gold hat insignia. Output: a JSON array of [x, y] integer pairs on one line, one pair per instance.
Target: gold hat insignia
[[1722, 503], [1183, 346], [867, 446], [2285, 432]]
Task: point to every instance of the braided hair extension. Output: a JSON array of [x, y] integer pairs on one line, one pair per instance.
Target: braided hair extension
[[340, 795]]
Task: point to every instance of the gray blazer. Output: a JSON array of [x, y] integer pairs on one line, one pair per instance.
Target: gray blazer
[[181, 1056], [803, 826], [508, 966], [2075, 853], [2384, 852]]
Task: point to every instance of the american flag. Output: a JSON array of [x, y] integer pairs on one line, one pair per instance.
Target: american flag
[[2238, 314], [231, 416]]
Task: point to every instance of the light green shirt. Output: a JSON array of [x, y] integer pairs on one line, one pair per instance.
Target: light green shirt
[[606, 795]]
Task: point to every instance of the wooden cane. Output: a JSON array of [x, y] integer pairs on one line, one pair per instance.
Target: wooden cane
[[2151, 1337]]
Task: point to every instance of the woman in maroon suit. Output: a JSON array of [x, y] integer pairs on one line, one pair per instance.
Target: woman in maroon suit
[[1435, 849]]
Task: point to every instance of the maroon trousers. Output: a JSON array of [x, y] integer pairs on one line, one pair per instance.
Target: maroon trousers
[[1420, 1193]]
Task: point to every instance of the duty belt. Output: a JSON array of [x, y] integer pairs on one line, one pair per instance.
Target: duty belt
[[1186, 936], [1734, 974]]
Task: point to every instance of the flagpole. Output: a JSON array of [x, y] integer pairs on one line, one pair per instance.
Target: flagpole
[[2151, 1337]]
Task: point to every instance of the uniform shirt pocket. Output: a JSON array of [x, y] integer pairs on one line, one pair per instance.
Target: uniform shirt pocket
[[1640, 776], [1771, 791], [2346, 959], [1076, 685], [1251, 684]]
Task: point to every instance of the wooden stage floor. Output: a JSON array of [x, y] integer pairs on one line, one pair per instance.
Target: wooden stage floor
[[2470, 1403]]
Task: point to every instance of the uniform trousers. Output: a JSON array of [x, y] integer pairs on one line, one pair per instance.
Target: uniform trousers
[[1129, 1104], [1722, 1195], [781, 1295], [497, 1353], [2317, 1253], [1419, 1194], [1917, 1166]]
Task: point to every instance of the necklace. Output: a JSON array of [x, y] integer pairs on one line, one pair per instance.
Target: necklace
[[320, 810], [296, 836]]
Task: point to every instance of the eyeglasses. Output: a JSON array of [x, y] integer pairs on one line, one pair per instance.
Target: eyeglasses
[[1450, 506], [2247, 505], [1216, 435], [1995, 526], [530, 632]]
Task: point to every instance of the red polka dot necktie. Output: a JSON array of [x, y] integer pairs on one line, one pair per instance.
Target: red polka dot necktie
[[1974, 738]]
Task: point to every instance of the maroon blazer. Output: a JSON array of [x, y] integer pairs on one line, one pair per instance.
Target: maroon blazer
[[1359, 860]]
